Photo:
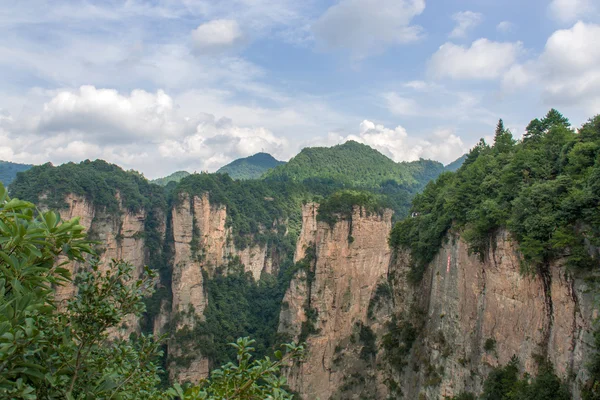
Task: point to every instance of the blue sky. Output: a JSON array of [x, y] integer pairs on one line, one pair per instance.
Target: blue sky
[[164, 85]]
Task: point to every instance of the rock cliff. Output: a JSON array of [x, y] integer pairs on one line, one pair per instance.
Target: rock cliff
[[202, 242], [350, 258], [473, 315], [122, 238]]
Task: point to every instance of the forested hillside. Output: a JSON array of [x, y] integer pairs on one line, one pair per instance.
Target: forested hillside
[[252, 167], [545, 191], [97, 181], [174, 177], [9, 170], [324, 170]]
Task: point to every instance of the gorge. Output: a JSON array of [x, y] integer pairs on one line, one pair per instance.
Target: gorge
[[425, 306]]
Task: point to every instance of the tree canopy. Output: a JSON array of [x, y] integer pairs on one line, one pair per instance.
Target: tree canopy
[[544, 190]]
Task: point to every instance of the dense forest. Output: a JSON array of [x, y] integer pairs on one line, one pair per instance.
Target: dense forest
[[252, 167], [544, 189], [9, 170]]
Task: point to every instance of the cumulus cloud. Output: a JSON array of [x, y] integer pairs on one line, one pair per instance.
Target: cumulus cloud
[[484, 59], [567, 71], [443, 145], [217, 35], [465, 21], [134, 130], [566, 11], [365, 27], [505, 27]]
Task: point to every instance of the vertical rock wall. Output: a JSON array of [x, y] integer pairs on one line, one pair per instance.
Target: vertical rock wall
[[478, 314], [351, 257]]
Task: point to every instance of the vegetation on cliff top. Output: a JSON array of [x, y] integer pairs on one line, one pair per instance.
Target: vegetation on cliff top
[[252, 167], [9, 170], [545, 189], [97, 181]]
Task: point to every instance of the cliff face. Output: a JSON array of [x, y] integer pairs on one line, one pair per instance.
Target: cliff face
[[122, 239], [202, 242], [350, 258], [475, 315]]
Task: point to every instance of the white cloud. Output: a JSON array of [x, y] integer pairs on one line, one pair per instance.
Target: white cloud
[[465, 21], [567, 71], [566, 11], [365, 27], [400, 105], [217, 35], [133, 130], [397, 144], [484, 59], [505, 27]]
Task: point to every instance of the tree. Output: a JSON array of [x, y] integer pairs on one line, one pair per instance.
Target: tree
[[73, 353], [247, 379], [503, 139]]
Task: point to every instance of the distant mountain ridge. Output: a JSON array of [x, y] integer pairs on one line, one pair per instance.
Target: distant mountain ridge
[[456, 164], [354, 164], [9, 170], [252, 167], [174, 177]]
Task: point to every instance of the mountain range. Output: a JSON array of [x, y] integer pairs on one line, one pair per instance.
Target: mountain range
[[478, 279]]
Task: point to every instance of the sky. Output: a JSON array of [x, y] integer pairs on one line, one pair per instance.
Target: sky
[[165, 85]]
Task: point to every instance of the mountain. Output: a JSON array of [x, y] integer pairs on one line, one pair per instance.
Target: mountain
[[174, 177], [252, 167], [353, 165], [9, 170], [456, 164], [478, 290]]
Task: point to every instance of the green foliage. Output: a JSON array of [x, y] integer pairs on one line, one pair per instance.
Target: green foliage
[[504, 383], [252, 167], [340, 205], [490, 344], [367, 337], [456, 164], [47, 352], [398, 341], [356, 166], [352, 163], [66, 352], [246, 379], [544, 190], [591, 389], [253, 207], [97, 181], [174, 177], [9, 170]]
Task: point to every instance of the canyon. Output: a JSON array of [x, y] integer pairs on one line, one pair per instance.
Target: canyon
[[469, 313]]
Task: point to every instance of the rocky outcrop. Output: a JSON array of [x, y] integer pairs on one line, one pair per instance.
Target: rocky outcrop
[[202, 243], [350, 258], [122, 238], [477, 314]]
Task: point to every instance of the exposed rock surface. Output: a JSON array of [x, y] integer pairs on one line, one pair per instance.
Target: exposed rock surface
[[202, 242], [351, 257], [122, 239], [478, 314]]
